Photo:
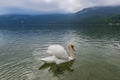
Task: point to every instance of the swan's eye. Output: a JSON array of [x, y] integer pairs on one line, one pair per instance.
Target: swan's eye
[[72, 46]]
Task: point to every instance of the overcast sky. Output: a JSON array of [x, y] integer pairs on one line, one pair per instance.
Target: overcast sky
[[51, 6]]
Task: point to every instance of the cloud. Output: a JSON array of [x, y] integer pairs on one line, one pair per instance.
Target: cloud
[[53, 5]]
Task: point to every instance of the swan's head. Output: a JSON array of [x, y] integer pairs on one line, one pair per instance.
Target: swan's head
[[71, 46]]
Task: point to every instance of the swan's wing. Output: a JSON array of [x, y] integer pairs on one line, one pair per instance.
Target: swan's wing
[[58, 51]]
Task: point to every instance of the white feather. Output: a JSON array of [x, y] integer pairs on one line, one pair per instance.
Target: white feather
[[59, 55], [58, 51]]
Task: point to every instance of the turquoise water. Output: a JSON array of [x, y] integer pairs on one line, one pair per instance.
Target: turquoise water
[[97, 53]]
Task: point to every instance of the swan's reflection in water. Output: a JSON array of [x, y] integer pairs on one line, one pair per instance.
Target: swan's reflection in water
[[58, 69]]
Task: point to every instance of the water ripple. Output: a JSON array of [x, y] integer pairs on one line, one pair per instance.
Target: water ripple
[[20, 52]]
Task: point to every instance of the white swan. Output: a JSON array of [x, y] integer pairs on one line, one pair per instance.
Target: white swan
[[59, 54]]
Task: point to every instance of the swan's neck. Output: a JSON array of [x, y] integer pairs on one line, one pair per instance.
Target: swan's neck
[[70, 52]]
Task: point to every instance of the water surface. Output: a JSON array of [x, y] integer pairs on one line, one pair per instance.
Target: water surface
[[97, 52]]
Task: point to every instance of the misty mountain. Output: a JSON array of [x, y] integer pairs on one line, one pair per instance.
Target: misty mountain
[[94, 15], [108, 10], [36, 19], [98, 15]]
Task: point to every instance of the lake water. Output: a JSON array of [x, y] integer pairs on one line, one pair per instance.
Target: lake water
[[97, 52]]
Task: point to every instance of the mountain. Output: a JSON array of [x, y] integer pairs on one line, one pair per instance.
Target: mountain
[[94, 15], [36, 19], [99, 15], [108, 10]]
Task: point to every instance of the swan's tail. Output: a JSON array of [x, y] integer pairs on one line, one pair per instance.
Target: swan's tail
[[53, 59], [50, 59]]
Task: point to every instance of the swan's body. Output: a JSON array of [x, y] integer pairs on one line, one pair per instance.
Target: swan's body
[[59, 54]]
